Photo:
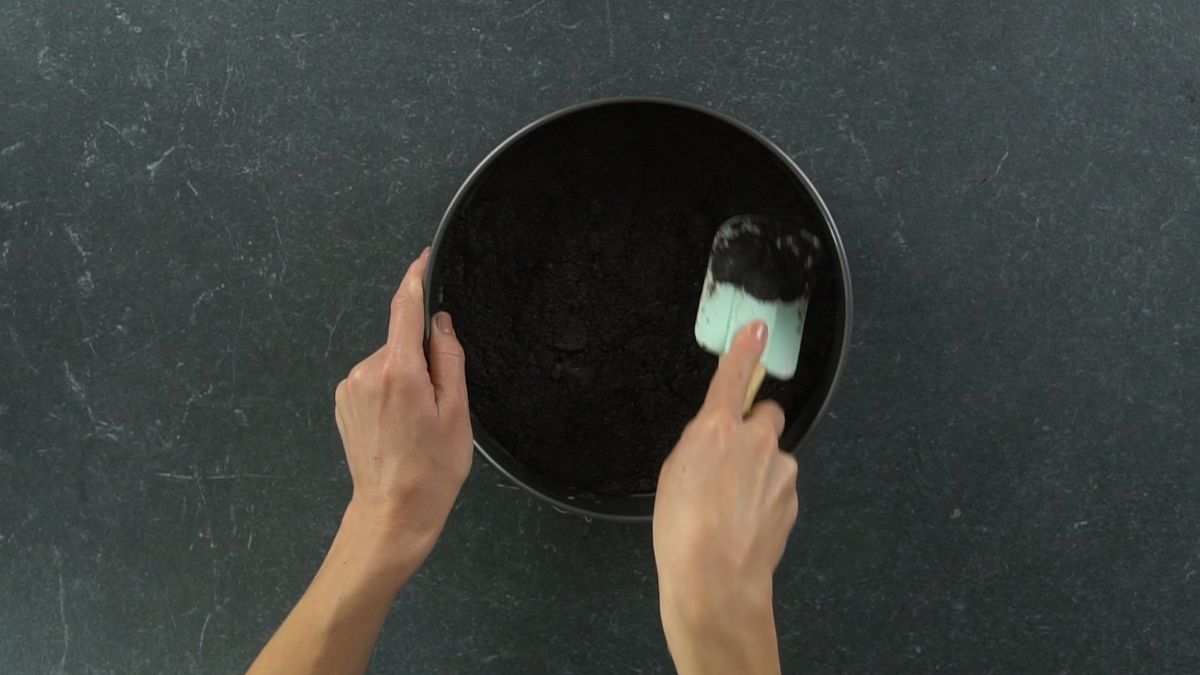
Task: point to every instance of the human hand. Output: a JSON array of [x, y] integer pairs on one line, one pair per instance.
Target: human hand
[[725, 504], [407, 435], [406, 430]]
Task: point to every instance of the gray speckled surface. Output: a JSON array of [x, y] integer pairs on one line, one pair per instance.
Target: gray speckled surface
[[204, 207]]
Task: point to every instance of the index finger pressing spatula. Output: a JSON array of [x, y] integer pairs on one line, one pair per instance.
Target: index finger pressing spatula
[[759, 270]]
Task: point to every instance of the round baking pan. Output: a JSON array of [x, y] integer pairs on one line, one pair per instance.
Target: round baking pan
[[655, 146]]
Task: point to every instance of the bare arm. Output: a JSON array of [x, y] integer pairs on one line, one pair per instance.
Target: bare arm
[[407, 436], [725, 505]]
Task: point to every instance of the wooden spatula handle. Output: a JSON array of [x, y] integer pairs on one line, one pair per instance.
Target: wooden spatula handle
[[756, 380]]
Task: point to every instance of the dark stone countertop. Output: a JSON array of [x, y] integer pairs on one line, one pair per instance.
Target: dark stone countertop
[[204, 208]]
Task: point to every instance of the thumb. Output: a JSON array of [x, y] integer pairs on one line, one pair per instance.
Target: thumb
[[728, 388], [447, 367]]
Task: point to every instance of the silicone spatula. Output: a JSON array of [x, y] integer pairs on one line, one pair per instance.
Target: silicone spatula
[[759, 270]]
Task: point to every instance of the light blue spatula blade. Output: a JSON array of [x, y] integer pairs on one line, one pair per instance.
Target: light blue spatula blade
[[725, 309]]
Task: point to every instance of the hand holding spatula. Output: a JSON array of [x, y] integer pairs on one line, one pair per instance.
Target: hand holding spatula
[[759, 270]]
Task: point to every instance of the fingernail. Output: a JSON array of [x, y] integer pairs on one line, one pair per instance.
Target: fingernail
[[425, 253], [442, 320], [760, 331]]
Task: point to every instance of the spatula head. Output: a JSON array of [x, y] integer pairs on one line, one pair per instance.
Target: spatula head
[[759, 270]]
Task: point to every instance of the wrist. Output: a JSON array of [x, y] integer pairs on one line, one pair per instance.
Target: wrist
[[706, 598], [714, 630], [383, 551]]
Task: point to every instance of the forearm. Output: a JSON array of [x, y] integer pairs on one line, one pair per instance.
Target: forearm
[[334, 626]]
